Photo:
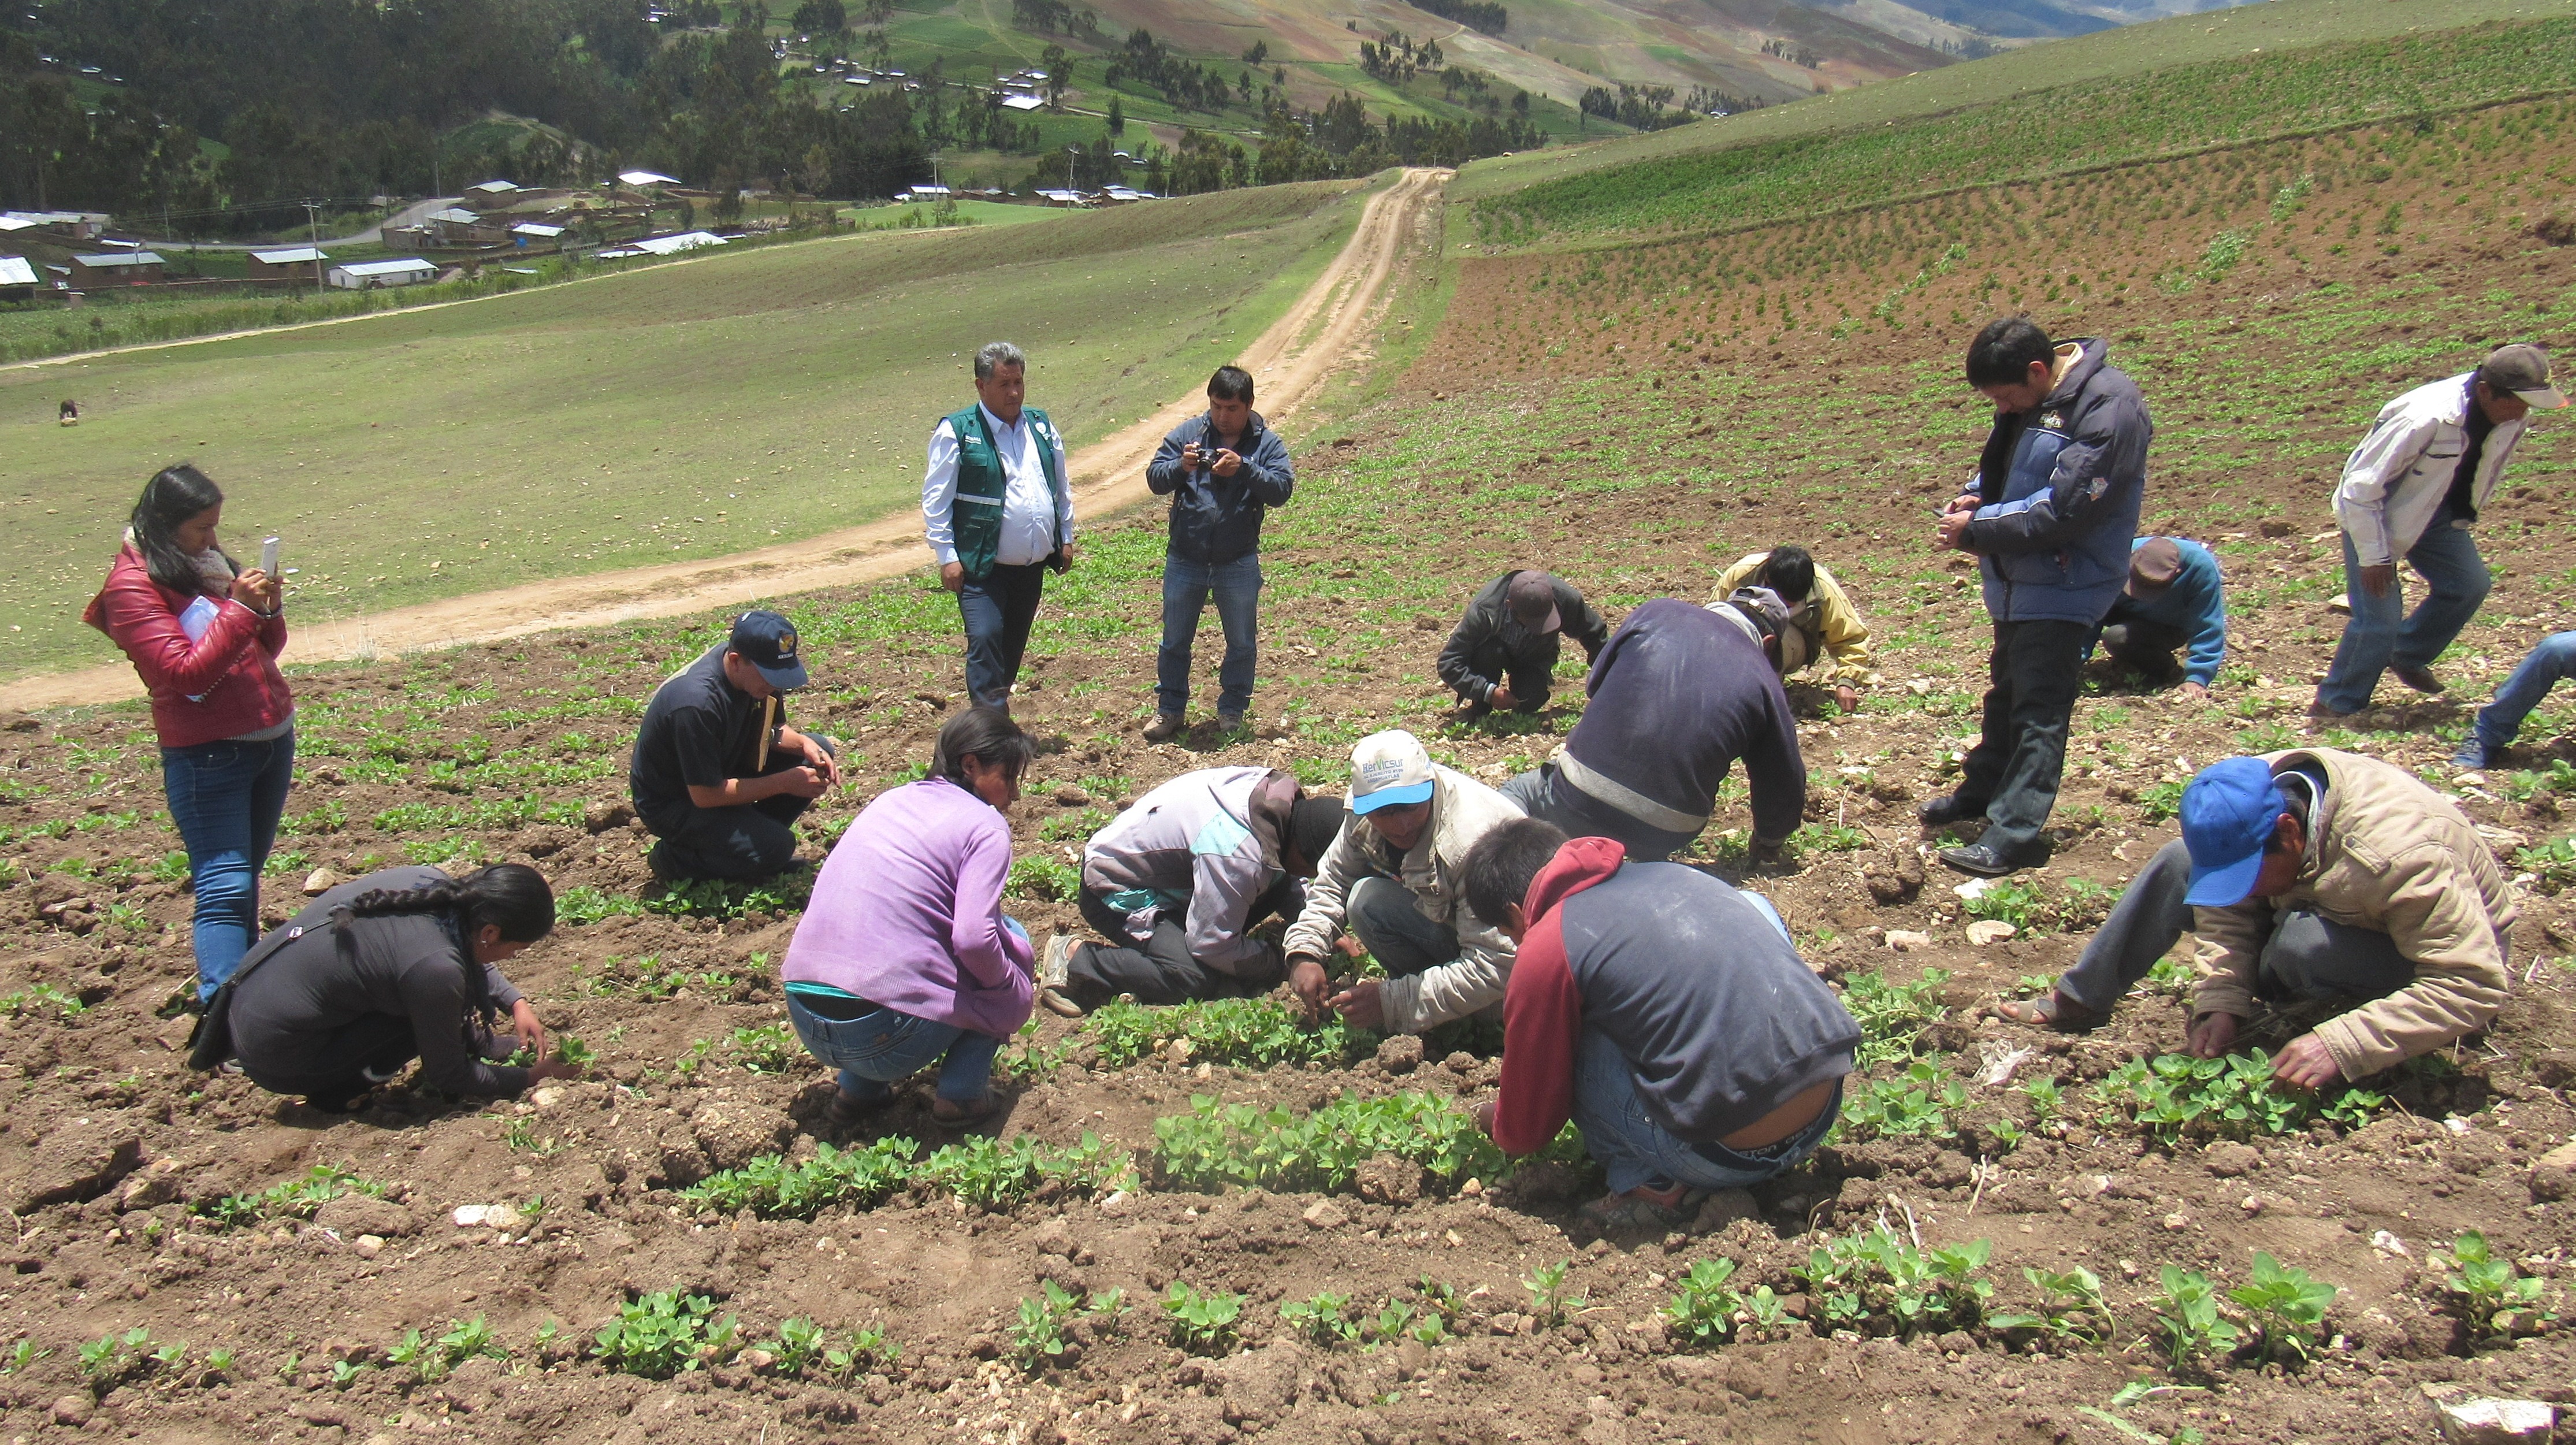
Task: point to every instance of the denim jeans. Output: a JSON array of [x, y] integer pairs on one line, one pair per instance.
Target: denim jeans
[[884, 1046], [225, 798], [997, 613], [2032, 678], [2380, 634], [1186, 585], [2306, 957], [2501, 719], [1634, 1149]]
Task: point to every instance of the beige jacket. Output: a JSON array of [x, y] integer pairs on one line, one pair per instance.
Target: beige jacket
[[2390, 854], [1837, 638], [1462, 809]]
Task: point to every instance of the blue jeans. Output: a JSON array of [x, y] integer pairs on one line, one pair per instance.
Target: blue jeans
[[1634, 1149], [884, 1046], [1186, 585], [2553, 659], [2381, 635], [225, 798], [997, 613]]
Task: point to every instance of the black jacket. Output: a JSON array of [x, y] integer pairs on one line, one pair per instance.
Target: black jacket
[[1488, 647], [1216, 520]]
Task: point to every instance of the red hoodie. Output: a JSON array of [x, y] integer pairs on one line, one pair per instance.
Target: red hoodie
[[231, 672], [1542, 1009]]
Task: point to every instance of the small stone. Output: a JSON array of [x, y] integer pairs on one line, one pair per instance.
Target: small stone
[[1071, 797], [503, 1217], [547, 1097], [1987, 931], [2485, 1421], [1390, 1179], [1325, 1214], [352, 1215], [2251, 1204], [1906, 940], [2229, 1160], [1472, 1188], [2177, 1221], [1400, 1054], [1506, 1323], [321, 881], [370, 1245], [2553, 1175], [2387, 1243], [73, 1411], [602, 814]]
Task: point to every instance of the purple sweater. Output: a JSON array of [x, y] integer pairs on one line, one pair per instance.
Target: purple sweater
[[907, 912]]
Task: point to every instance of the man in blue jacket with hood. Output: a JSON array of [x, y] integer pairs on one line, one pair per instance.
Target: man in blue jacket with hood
[[2050, 516], [1223, 472]]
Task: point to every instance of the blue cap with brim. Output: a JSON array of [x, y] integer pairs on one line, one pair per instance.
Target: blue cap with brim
[[768, 642], [2229, 813], [1392, 798]]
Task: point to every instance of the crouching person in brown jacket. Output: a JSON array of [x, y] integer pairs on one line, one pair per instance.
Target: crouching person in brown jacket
[[2332, 885]]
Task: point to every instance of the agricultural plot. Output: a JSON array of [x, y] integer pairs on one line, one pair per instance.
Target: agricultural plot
[[1195, 1224]]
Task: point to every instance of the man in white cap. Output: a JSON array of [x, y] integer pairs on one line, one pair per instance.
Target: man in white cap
[[2413, 489], [1394, 877]]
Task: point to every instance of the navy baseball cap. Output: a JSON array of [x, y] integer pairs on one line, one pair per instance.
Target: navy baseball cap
[[2229, 813], [768, 642]]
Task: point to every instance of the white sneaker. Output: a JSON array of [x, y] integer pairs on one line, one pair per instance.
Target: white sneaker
[[1055, 978]]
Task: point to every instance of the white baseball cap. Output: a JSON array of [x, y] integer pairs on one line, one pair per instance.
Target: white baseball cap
[[1389, 769]]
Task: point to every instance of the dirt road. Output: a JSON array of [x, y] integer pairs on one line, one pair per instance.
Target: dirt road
[[1290, 362]]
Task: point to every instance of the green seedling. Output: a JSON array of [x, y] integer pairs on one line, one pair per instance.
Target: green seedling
[[42, 995], [666, 1333], [573, 1051], [834, 1178], [2497, 1302], [1895, 1019], [1325, 1319], [219, 1364], [1916, 1104], [2046, 1101], [111, 1357], [296, 1199], [2071, 1308], [1243, 1144], [2287, 1308], [1044, 880], [800, 1344], [1202, 1324], [434, 1358], [867, 1345], [2176, 1097], [1703, 1309], [1547, 1291], [1037, 1340], [1880, 1282], [1391, 1322], [1245, 1032], [22, 1355], [986, 1172], [344, 1373], [2188, 1322]]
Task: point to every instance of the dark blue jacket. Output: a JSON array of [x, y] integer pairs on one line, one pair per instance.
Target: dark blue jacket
[[1678, 695], [2195, 606], [1216, 520], [2061, 486]]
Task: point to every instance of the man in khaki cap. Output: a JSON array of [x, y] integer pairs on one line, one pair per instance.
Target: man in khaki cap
[[2412, 489]]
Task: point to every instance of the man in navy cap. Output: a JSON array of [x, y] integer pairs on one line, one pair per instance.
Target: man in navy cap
[[2333, 887], [718, 774]]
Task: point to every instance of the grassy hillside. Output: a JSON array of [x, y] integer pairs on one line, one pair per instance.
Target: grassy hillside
[[686, 411], [2231, 35]]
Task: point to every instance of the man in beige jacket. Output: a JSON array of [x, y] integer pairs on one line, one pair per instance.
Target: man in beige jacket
[[1393, 877], [2321, 878]]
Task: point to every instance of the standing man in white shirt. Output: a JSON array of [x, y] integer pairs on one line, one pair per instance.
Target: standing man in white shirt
[[999, 511]]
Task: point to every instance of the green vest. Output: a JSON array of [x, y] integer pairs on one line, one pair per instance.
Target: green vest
[[975, 517]]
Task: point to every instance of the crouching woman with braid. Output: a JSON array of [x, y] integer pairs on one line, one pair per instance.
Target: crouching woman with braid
[[399, 965]]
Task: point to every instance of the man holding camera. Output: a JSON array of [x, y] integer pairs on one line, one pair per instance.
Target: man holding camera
[[1223, 472], [999, 513]]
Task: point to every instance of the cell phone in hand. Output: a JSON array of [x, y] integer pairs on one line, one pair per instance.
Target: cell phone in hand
[[268, 556]]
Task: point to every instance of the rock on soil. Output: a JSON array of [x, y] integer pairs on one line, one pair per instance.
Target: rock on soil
[[76, 1160], [1400, 1053], [1386, 1179], [356, 1214]]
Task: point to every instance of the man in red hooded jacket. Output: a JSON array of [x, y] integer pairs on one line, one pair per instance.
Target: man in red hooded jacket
[[1664, 1012]]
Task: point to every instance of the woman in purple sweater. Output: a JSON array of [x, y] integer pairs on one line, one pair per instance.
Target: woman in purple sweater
[[904, 957]]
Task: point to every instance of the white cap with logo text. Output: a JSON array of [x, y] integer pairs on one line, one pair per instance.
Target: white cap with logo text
[[1389, 769]]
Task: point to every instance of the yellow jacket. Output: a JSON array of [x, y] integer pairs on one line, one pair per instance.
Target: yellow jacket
[[2389, 854], [1837, 638]]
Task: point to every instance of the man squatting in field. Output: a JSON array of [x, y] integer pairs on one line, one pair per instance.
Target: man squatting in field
[[1825, 631], [2413, 489], [997, 508], [1665, 1012], [1392, 877], [1223, 471], [1176, 884], [2049, 516], [717, 774], [1678, 694], [1503, 652], [2174, 599], [2336, 888]]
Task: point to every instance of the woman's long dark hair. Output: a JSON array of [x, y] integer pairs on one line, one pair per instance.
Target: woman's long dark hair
[[985, 733], [512, 897], [174, 495]]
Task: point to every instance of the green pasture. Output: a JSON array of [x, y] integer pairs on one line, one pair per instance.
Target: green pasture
[[982, 213], [682, 411], [2245, 36]]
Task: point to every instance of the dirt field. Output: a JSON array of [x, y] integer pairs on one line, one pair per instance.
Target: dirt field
[[1635, 480]]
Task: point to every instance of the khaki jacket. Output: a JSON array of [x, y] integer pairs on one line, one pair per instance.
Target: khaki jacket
[[2389, 854], [1462, 809], [1837, 638]]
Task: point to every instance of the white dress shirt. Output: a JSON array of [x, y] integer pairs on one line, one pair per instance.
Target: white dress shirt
[[1031, 514]]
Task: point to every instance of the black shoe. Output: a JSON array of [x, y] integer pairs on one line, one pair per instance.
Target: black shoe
[[1942, 812], [1980, 861]]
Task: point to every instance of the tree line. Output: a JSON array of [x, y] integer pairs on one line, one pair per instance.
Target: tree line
[[1481, 15]]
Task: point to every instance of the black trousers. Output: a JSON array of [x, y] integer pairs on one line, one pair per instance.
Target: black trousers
[[2143, 646], [1161, 970], [741, 843], [2032, 678], [997, 613], [334, 1071]]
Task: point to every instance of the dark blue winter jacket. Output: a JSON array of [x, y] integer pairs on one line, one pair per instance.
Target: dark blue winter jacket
[[1216, 520], [2061, 486]]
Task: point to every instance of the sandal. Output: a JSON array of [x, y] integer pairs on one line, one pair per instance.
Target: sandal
[[1642, 1208], [957, 1114], [2055, 1011]]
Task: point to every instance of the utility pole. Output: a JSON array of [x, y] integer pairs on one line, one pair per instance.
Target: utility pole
[[313, 228]]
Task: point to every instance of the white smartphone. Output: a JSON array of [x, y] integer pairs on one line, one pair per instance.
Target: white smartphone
[[268, 556]]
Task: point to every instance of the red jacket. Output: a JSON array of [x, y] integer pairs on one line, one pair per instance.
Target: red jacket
[[231, 671], [1542, 1009]]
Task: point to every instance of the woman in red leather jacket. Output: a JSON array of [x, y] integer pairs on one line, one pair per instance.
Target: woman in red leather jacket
[[205, 634]]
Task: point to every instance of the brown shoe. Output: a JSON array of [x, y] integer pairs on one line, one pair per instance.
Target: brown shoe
[[1165, 727], [966, 1114], [2054, 1011], [2419, 678]]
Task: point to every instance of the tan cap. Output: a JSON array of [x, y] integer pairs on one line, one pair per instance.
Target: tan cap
[[2522, 369]]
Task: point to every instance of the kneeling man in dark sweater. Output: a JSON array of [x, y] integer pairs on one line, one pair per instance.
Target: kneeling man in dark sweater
[[1664, 1012]]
